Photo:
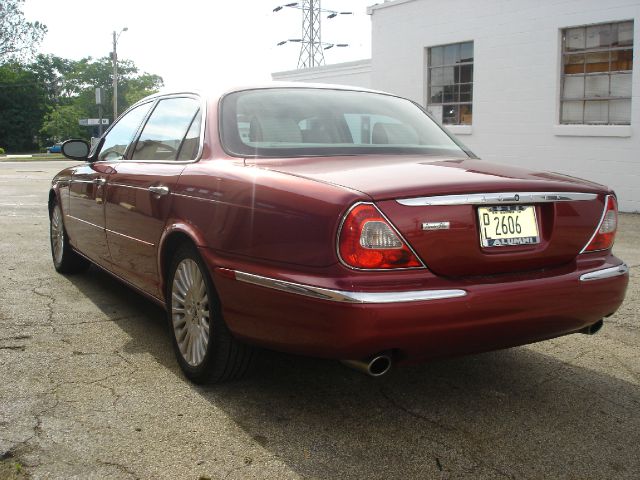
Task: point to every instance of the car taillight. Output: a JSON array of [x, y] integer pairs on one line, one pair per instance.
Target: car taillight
[[367, 240], [604, 235]]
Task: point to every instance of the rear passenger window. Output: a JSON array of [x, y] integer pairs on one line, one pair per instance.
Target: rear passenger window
[[191, 143], [169, 131]]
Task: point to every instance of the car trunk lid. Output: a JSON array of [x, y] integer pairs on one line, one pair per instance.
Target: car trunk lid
[[439, 205]]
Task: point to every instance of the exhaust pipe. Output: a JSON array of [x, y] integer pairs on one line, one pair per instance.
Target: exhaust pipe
[[592, 329], [376, 366]]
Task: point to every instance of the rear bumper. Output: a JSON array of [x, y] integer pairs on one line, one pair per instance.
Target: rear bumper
[[464, 317]]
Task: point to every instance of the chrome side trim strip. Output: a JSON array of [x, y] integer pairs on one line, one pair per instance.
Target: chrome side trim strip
[[605, 273], [129, 238], [347, 296], [124, 185], [503, 197], [83, 221]]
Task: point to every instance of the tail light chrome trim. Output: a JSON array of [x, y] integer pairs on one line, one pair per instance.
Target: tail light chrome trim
[[345, 296], [610, 272], [395, 230], [497, 198], [597, 230]]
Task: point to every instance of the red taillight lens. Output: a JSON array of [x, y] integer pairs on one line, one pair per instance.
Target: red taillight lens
[[605, 234], [368, 241]]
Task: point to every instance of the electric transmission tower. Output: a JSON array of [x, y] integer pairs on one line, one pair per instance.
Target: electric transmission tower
[[311, 45]]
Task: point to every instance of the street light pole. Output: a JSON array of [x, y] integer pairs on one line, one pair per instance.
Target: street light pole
[[114, 57]]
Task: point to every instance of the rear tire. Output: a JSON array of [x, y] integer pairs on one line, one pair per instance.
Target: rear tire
[[205, 349], [65, 259]]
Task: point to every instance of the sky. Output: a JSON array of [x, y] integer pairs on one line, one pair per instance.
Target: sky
[[197, 43]]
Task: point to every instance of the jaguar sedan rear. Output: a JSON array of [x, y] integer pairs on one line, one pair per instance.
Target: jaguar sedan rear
[[332, 222]]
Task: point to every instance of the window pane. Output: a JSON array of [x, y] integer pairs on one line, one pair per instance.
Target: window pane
[[448, 74], [436, 95], [598, 36], [162, 135], [572, 112], [574, 64], [625, 33], [621, 60], [449, 114], [466, 73], [436, 57], [620, 111], [450, 94], [451, 54], [465, 114], [621, 85], [596, 111], [466, 93], [575, 39], [119, 137], [436, 76], [191, 144], [597, 62], [466, 52], [596, 86], [573, 87]]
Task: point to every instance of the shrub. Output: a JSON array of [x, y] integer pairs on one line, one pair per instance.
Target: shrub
[[1, 151]]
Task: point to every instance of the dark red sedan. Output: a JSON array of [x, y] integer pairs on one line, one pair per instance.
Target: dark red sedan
[[331, 222]]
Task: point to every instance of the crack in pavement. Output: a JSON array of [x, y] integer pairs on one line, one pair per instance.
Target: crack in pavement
[[447, 429]]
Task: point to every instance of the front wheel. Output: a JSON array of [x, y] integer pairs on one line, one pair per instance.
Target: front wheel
[[205, 348], [65, 260]]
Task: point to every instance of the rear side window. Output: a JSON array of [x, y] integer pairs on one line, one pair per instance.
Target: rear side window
[[118, 139], [172, 131]]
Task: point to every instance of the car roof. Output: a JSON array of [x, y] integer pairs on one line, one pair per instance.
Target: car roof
[[220, 91]]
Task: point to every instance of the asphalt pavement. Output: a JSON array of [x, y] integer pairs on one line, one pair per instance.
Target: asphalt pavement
[[89, 388]]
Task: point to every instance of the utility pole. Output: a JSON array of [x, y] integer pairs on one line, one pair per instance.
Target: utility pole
[[114, 57], [311, 45]]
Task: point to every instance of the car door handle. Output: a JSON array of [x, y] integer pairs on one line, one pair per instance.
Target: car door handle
[[159, 190], [100, 181]]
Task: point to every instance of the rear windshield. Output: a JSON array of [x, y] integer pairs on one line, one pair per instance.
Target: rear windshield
[[295, 122]]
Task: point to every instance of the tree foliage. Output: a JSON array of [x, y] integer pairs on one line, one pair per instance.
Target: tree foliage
[[18, 37], [48, 97], [23, 104]]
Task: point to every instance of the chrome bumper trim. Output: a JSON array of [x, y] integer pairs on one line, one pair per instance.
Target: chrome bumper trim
[[347, 296], [497, 198], [605, 273]]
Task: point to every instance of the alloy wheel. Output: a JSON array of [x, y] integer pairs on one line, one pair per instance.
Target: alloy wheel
[[57, 234], [190, 313]]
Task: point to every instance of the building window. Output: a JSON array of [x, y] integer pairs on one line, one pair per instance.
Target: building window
[[450, 83], [597, 61]]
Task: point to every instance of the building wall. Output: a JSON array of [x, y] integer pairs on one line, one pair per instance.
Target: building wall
[[517, 65], [356, 74]]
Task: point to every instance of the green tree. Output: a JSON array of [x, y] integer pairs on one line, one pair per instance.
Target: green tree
[[18, 38], [61, 123], [23, 104]]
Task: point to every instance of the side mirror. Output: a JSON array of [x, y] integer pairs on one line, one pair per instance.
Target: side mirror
[[76, 149]]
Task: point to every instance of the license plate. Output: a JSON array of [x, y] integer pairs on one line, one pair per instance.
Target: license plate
[[508, 225]]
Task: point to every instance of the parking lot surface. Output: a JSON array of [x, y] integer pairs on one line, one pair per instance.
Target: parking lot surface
[[89, 388]]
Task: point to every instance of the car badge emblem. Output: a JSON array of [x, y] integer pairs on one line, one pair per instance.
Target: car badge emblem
[[435, 226]]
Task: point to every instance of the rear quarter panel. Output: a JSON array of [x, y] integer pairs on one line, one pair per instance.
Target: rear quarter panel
[[250, 212]]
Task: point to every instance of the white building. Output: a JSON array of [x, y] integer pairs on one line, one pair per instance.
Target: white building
[[544, 84]]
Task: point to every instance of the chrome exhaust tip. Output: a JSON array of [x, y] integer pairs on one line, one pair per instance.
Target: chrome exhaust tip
[[376, 366], [592, 329]]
